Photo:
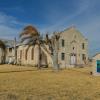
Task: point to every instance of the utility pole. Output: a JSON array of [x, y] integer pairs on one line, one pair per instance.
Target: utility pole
[[15, 51]]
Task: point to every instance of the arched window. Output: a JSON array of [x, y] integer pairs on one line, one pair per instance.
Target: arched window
[[10, 50], [63, 42], [83, 46], [83, 57], [32, 54], [62, 56], [26, 54], [20, 54]]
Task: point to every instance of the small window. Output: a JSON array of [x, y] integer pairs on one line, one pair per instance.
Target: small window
[[63, 56], [63, 42], [83, 57], [83, 46], [10, 49]]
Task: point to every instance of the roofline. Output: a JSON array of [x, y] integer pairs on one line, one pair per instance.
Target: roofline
[[71, 28], [96, 54]]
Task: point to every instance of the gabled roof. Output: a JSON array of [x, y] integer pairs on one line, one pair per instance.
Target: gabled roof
[[96, 54], [71, 31]]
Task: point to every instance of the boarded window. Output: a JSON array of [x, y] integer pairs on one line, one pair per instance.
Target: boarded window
[[62, 56], [32, 54], [83, 57], [63, 42]]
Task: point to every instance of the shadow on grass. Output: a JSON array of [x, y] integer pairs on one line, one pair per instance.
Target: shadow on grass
[[17, 71]]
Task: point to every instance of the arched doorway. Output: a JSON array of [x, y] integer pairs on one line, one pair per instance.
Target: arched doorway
[[72, 58], [73, 54]]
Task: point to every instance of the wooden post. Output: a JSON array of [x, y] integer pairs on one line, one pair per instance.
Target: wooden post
[[15, 52]]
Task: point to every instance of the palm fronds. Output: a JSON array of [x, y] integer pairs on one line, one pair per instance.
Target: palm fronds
[[29, 35], [2, 45], [30, 30]]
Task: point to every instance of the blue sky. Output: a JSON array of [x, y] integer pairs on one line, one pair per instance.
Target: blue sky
[[50, 16]]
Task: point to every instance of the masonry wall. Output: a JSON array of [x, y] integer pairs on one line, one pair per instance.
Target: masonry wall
[[30, 55], [1, 56], [24, 55], [73, 41], [94, 64]]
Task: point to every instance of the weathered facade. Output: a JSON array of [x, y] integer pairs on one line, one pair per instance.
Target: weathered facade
[[9, 54], [2, 56], [72, 50], [30, 55], [2, 52]]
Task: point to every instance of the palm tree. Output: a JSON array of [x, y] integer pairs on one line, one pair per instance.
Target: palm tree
[[30, 36], [3, 51], [29, 30]]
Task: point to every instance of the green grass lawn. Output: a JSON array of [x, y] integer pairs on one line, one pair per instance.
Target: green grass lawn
[[28, 83]]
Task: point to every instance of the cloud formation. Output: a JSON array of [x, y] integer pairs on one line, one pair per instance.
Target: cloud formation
[[61, 22], [52, 15], [85, 17], [9, 26]]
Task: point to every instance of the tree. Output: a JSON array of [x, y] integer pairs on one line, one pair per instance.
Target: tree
[[30, 30], [55, 48], [30, 36], [3, 51]]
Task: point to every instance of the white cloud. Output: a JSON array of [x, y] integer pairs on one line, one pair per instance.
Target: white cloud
[[91, 30], [9, 20], [7, 32], [8, 26], [59, 24], [88, 24]]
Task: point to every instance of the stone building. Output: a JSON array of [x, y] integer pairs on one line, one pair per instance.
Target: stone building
[[2, 52], [96, 64], [72, 51], [9, 53], [73, 48], [2, 56], [30, 55]]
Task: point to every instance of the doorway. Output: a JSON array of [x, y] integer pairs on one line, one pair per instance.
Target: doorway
[[73, 59]]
